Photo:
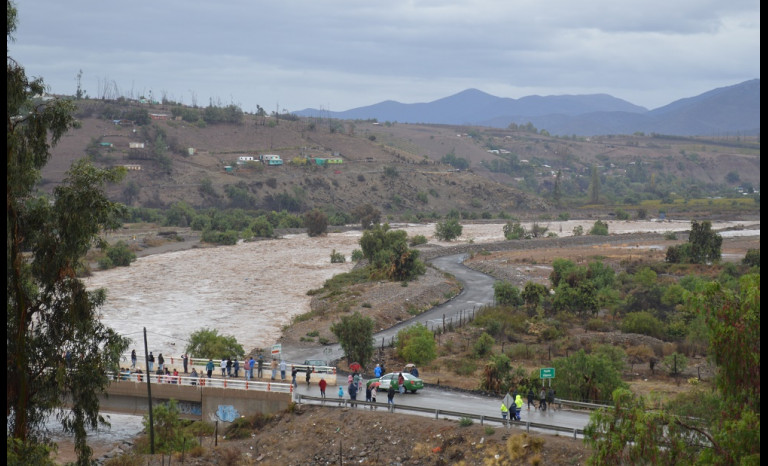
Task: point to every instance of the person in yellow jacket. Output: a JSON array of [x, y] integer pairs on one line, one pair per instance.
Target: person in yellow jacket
[[518, 407], [504, 412]]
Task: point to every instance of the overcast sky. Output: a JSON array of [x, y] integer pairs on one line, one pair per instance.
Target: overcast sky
[[342, 54]]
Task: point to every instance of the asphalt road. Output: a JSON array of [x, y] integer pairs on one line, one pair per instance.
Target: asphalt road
[[477, 292]]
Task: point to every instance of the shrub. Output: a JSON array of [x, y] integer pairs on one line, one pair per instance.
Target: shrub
[[448, 230], [599, 228], [120, 254], [466, 421], [316, 222], [417, 344], [578, 230], [644, 323], [513, 230], [622, 214], [356, 255], [483, 345], [417, 240], [598, 325], [752, 258], [337, 257]]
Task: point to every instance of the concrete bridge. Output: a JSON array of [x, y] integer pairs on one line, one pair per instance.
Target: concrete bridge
[[199, 397]]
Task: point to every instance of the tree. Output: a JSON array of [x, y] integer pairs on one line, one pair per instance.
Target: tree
[[355, 334], [209, 344], [703, 246], [417, 344], [594, 187], [49, 311], [368, 215], [387, 251], [586, 377], [506, 294], [316, 222], [513, 230], [702, 428], [599, 228], [171, 435], [448, 230]]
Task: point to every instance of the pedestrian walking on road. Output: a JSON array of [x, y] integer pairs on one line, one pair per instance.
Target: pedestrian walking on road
[[309, 374], [150, 362], [341, 393], [531, 399], [282, 369], [133, 359], [293, 376], [352, 389], [368, 394], [274, 368], [322, 384], [377, 371], [391, 397], [543, 399], [551, 398], [209, 368], [373, 396], [504, 412], [518, 407], [401, 383]]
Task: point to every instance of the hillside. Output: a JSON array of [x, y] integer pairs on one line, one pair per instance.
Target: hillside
[[395, 167]]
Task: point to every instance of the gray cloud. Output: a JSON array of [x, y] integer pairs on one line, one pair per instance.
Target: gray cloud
[[342, 54]]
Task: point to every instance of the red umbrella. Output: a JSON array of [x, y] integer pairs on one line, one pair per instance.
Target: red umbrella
[[355, 366], [375, 384]]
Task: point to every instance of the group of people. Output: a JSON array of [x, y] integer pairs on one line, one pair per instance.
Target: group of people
[[546, 397]]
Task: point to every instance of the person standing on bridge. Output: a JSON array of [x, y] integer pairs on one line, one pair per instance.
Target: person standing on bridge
[[160, 361], [322, 384], [223, 367], [274, 368], [260, 374], [294, 371], [229, 366], [133, 359], [185, 361], [282, 370], [150, 362], [208, 367], [236, 367], [248, 368]]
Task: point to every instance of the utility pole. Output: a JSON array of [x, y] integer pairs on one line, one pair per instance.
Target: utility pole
[[149, 396]]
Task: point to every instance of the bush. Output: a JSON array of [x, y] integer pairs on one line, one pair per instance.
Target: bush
[[357, 255], [416, 344], [599, 228], [506, 294], [316, 222], [483, 345], [337, 257], [644, 323], [448, 230], [466, 422], [417, 240], [513, 230], [121, 254], [578, 230], [598, 325], [752, 258]]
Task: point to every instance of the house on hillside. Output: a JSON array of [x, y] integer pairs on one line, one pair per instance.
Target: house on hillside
[[131, 166], [271, 159], [136, 145], [159, 116], [334, 160]]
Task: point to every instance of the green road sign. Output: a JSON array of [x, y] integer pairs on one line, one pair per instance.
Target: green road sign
[[547, 373]]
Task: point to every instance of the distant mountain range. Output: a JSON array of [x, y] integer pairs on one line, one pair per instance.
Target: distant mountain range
[[722, 111]]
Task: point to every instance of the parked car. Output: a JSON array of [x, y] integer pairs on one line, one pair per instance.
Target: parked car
[[411, 383], [320, 365]]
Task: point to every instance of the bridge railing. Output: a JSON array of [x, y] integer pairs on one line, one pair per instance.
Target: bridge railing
[[496, 420], [203, 382]]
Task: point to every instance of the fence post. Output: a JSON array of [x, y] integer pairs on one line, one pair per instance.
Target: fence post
[[481, 419], [437, 414], [528, 426], [574, 434]]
